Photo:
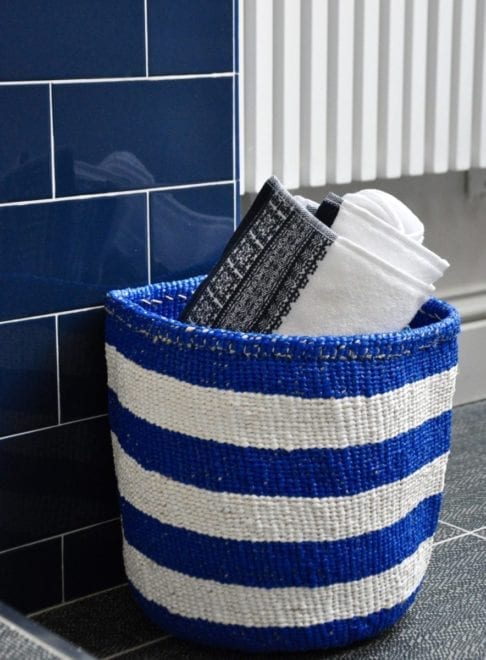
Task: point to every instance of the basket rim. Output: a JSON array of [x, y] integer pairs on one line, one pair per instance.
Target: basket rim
[[126, 306]]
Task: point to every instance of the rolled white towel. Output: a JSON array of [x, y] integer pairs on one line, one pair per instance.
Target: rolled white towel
[[285, 271]]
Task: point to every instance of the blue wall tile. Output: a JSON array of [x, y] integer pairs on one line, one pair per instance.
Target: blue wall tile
[[132, 135], [82, 364], [189, 229], [93, 560], [190, 36], [30, 577], [109, 136], [71, 39], [55, 481], [25, 157], [68, 254], [28, 390]]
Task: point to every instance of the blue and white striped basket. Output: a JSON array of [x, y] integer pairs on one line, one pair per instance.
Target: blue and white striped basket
[[277, 493]]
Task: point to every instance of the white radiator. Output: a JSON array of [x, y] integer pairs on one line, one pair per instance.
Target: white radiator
[[338, 90]]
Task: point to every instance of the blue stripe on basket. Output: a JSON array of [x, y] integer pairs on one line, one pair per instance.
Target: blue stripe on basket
[[301, 472], [327, 378], [335, 633], [274, 564]]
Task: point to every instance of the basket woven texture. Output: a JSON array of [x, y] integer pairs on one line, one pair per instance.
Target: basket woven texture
[[277, 493]]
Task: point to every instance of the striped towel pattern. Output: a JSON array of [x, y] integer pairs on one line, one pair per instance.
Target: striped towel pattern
[[277, 493]]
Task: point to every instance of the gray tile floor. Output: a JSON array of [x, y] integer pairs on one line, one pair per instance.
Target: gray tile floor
[[448, 621]]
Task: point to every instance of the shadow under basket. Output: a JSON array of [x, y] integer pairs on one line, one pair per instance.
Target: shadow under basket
[[277, 493]]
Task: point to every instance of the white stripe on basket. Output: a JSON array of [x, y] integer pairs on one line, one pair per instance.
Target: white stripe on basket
[[229, 604], [273, 518], [275, 421]]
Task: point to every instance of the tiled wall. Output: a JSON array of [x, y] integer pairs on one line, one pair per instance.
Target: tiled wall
[[117, 168]]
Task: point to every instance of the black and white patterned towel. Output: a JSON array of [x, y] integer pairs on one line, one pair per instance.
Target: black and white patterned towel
[[285, 270]]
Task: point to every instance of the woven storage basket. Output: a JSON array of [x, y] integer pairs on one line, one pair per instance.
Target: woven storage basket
[[277, 493]]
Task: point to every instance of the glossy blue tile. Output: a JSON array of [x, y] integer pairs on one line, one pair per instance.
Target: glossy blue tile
[[189, 230], [28, 388], [93, 560], [82, 366], [56, 480], [66, 255], [71, 39], [129, 135], [25, 157], [190, 36], [31, 577]]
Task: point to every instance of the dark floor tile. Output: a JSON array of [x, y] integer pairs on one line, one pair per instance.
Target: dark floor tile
[[103, 625], [55, 481], [464, 502], [189, 230], [129, 135], [190, 36], [66, 255], [30, 577], [447, 621], [71, 39], [28, 380], [82, 364], [25, 157], [93, 560]]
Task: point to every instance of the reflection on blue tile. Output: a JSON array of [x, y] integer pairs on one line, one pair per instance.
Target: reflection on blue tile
[[71, 39], [55, 481], [25, 161], [82, 364], [30, 577], [131, 135], [188, 230], [190, 36], [68, 254], [28, 389], [93, 560]]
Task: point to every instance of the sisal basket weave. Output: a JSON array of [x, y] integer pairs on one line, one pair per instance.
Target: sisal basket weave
[[277, 493]]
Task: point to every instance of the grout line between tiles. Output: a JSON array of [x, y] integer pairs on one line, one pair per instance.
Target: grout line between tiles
[[77, 81], [53, 426], [135, 648], [117, 193], [452, 538], [77, 600], [51, 130], [63, 591], [58, 536], [145, 20], [58, 370], [468, 531], [149, 262], [51, 314]]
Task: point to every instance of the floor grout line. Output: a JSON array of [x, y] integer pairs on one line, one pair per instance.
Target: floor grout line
[[135, 648], [462, 529], [76, 600], [452, 538], [53, 426], [117, 193]]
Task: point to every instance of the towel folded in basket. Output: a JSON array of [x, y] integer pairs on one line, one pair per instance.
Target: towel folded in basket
[[285, 270]]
